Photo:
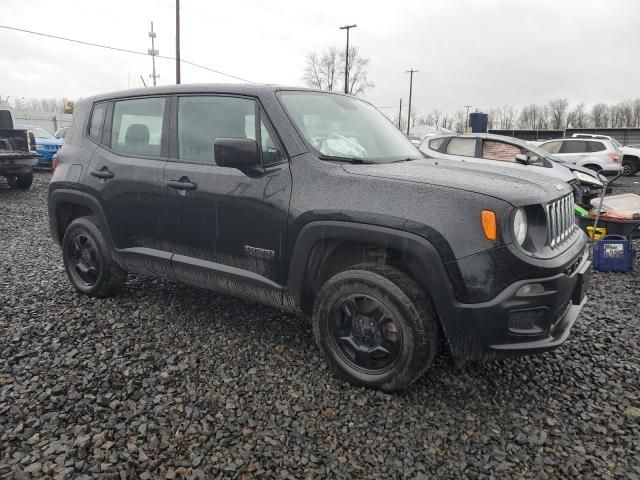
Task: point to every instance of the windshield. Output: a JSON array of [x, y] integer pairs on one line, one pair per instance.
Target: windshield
[[345, 127]]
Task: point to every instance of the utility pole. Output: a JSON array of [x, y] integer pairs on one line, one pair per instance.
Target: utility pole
[[346, 58], [400, 116], [153, 52], [178, 42], [466, 128], [142, 80], [411, 72]]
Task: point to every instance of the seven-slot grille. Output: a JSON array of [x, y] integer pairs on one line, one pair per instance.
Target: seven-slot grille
[[561, 221]]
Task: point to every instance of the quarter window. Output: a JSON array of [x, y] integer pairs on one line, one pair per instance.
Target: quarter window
[[137, 126], [462, 146], [97, 120]]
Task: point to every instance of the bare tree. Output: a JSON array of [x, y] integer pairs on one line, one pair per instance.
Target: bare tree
[[636, 112], [600, 115], [460, 121], [434, 118], [558, 109], [578, 117], [321, 72], [358, 72], [626, 112]]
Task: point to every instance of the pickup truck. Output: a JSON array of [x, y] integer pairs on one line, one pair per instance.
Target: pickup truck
[[315, 203], [17, 155]]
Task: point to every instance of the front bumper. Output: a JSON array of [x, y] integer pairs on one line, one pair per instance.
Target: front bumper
[[517, 325], [45, 157]]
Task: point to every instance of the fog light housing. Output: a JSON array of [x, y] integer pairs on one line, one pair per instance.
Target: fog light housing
[[534, 321], [530, 289]]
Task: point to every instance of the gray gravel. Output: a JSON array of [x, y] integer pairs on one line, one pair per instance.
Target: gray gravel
[[169, 381]]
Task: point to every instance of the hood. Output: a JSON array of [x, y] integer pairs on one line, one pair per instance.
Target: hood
[[49, 143], [512, 185]]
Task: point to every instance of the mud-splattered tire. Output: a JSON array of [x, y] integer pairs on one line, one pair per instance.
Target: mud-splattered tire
[[20, 182], [88, 261], [375, 327]]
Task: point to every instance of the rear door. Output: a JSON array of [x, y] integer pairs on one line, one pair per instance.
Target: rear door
[[126, 177], [226, 227], [575, 151], [461, 147]]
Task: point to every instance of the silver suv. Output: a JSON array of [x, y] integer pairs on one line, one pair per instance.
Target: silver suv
[[600, 155]]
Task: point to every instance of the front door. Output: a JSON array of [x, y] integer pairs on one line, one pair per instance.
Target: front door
[[226, 228], [126, 176]]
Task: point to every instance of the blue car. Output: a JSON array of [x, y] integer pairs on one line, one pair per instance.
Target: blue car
[[46, 144]]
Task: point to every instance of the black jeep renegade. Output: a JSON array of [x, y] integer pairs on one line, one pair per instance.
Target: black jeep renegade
[[315, 203]]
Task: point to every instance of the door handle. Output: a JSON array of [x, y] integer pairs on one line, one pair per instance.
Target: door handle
[[103, 173], [182, 184]]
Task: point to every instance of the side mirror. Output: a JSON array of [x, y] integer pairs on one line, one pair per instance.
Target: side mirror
[[236, 153], [522, 158]]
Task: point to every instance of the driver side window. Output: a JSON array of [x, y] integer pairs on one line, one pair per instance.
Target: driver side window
[[504, 152]]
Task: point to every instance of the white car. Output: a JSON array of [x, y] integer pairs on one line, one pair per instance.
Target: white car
[[600, 155], [630, 153]]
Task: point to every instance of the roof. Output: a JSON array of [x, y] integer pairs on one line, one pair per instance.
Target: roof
[[250, 89]]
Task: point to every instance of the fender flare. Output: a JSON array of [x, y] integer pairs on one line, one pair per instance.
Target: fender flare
[[435, 278], [76, 197]]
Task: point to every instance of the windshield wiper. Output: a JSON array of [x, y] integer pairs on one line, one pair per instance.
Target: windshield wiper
[[408, 159], [354, 160]]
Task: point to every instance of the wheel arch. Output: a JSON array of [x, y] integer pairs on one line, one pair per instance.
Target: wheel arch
[[324, 248], [65, 205]]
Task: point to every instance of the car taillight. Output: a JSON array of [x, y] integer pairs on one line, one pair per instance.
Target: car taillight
[[614, 156], [54, 162]]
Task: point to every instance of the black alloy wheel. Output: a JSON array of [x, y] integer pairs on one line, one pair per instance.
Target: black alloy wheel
[[365, 333], [84, 259]]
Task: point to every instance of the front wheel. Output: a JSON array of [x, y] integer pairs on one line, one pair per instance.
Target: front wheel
[[21, 181], [87, 260], [375, 327]]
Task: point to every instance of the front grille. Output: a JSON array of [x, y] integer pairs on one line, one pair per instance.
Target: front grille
[[561, 222]]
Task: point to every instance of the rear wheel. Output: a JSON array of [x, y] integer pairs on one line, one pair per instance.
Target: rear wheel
[[375, 327], [629, 166], [21, 181], [88, 261]]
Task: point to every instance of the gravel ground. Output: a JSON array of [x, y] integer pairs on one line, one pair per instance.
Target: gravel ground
[[169, 381]]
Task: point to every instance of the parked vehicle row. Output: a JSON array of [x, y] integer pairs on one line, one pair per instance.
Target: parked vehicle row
[[496, 151], [314, 202], [17, 153]]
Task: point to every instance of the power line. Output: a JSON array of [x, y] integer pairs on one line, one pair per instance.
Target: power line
[[124, 50]]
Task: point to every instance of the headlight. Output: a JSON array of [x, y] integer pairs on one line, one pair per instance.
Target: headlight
[[520, 226], [586, 178]]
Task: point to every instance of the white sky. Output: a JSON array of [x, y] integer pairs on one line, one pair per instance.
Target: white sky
[[484, 53]]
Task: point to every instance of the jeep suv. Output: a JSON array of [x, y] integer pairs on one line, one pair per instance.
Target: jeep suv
[[315, 203]]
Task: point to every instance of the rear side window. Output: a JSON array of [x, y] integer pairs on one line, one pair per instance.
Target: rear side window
[[578, 146], [137, 126], [204, 119], [551, 147], [505, 152], [97, 120], [597, 146], [462, 146]]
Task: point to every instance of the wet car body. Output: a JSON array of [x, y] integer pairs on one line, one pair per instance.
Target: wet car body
[[265, 232]]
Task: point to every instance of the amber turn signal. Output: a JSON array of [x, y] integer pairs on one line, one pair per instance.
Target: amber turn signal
[[488, 218]]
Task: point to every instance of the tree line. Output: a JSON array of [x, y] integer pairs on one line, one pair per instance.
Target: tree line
[[38, 105], [556, 115]]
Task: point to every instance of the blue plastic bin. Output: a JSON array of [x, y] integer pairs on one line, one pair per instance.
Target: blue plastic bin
[[613, 253]]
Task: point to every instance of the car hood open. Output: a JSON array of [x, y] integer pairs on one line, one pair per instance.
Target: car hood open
[[514, 186]]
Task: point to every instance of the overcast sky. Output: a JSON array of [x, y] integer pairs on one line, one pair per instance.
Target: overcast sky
[[468, 52]]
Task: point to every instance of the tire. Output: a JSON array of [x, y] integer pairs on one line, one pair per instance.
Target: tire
[[361, 313], [21, 181], [88, 261], [629, 167]]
